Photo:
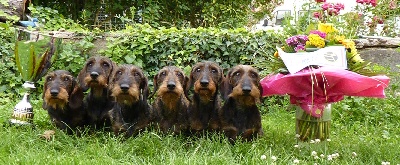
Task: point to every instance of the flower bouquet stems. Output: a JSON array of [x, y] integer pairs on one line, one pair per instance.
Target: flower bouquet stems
[[309, 127]]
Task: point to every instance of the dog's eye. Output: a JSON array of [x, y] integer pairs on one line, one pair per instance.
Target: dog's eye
[[198, 70], [136, 74], [179, 74], [49, 79], [119, 73], [106, 64], [237, 74], [214, 71], [163, 73], [253, 75], [90, 64], [66, 78]]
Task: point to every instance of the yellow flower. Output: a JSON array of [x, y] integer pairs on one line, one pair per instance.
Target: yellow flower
[[276, 54], [348, 44], [340, 39], [315, 40], [326, 27]]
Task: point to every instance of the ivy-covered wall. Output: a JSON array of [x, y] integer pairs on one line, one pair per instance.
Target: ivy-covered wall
[[152, 49]]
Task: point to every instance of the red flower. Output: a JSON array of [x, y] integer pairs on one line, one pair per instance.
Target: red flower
[[320, 1]]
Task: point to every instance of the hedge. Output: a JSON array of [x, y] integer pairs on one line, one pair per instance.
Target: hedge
[[152, 49]]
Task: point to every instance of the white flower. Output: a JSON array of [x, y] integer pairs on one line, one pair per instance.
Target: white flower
[[354, 154], [297, 135], [316, 157], [313, 153], [263, 157], [312, 141], [317, 140], [329, 157], [335, 155], [296, 161], [296, 146], [273, 158], [322, 155], [385, 163], [328, 140]]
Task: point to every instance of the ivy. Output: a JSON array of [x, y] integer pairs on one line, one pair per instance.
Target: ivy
[[152, 48]]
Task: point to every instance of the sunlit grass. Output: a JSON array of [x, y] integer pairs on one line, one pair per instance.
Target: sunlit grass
[[364, 131]]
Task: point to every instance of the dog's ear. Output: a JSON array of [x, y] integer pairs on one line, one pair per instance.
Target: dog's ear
[[144, 87], [190, 81], [44, 105], [226, 85], [75, 99], [81, 79], [155, 79], [186, 87], [113, 67], [111, 80]]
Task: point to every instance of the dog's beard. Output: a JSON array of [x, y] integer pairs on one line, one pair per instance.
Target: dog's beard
[[245, 100], [96, 85], [130, 97]]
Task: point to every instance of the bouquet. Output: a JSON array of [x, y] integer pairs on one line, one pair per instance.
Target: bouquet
[[319, 68]]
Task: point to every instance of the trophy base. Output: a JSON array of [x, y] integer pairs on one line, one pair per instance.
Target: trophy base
[[19, 122]]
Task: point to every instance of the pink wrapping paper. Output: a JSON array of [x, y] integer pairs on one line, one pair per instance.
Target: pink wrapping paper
[[330, 85]]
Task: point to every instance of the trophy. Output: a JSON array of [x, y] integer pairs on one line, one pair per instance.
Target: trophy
[[34, 54]]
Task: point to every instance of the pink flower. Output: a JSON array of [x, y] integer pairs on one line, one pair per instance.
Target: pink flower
[[360, 1], [317, 15], [392, 5], [319, 1], [326, 6], [339, 6]]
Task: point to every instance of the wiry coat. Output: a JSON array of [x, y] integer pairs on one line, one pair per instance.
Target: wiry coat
[[240, 115], [63, 100], [205, 79], [131, 112], [96, 76], [171, 102]]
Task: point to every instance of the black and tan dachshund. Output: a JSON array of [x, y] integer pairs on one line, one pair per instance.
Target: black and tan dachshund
[[240, 115], [63, 100], [96, 76], [171, 102], [131, 112], [205, 78]]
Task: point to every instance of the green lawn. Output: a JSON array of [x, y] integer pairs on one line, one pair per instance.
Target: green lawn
[[364, 131]]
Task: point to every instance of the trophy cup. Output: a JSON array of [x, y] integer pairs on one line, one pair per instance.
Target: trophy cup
[[34, 54]]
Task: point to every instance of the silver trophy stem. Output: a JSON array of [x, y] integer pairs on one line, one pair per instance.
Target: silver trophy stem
[[23, 111]]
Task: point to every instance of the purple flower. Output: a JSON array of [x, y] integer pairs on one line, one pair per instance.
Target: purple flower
[[299, 47], [296, 40], [321, 34]]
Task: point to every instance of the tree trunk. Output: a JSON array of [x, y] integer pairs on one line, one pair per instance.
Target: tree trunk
[[15, 8]]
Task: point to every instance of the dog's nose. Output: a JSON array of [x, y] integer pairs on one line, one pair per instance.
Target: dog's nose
[[94, 75], [246, 89], [54, 92], [124, 87], [204, 83], [171, 85]]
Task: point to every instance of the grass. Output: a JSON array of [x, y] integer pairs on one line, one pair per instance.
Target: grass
[[365, 127]]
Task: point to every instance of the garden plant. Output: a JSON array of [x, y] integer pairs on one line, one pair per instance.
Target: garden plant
[[362, 130]]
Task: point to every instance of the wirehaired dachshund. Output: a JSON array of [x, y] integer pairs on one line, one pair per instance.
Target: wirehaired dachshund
[[171, 102], [131, 112], [63, 100], [95, 75], [240, 115], [205, 78]]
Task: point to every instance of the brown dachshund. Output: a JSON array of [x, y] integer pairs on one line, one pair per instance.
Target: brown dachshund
[[205, 78], [95, 75], [63, 100], [240, 115], [131, 112], [171, 102]]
